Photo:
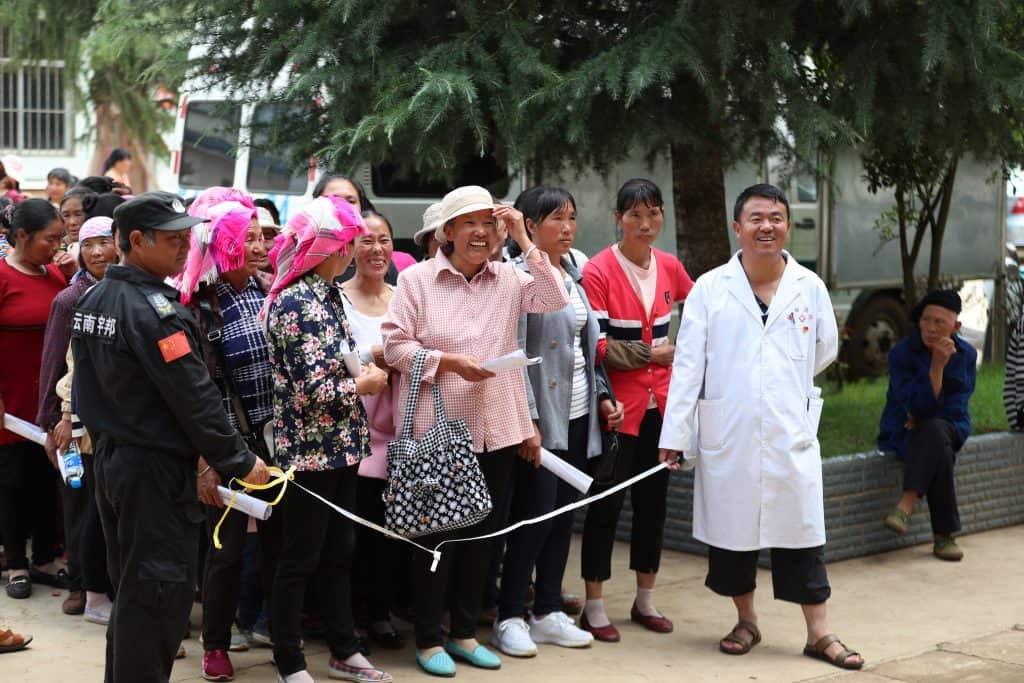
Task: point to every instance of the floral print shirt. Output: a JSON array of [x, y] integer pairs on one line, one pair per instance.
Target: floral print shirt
[[319, 422]]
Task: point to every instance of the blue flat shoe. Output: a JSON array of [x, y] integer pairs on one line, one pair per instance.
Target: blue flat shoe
[[481, 657], [440, 664]]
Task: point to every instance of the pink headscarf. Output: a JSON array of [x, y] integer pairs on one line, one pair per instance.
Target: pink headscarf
[[97, 226], [200, 208], [217, 247], [320, 229]]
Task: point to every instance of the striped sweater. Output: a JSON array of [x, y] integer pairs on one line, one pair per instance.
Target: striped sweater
[[1013, 387], [621, 315]]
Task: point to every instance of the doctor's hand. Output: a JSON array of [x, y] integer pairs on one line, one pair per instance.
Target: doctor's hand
[[669, 456], [612, 413], [529, 450], [662, 355]]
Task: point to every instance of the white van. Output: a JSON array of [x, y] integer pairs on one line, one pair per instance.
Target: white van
[[220, 142]]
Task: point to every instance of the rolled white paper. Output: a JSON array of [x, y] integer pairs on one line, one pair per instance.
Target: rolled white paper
[[352, 364], [564, 471], [351, 357], [24, 429], [246, 503], [510, 361]]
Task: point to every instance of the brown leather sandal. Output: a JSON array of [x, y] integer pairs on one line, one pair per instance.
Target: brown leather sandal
[[817, 651], [734, 637], [12, 642]]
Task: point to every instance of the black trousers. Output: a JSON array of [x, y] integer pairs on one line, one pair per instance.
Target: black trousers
[[310, 531], [222, 571], [648, 497], [928, 471], [545, 545], [150, 513], [381, 558], [83, 534], [798, 575], [465, 563], [28, 504]]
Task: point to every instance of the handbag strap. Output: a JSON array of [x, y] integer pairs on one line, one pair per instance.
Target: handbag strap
[[419, 362], [415, 379], [439, 414]]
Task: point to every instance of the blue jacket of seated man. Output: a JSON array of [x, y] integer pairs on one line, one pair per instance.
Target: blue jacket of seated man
[[910, 392]]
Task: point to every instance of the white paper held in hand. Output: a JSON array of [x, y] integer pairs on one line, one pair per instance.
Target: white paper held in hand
[[245, 503], [24, 429], [351, 358], [564, 471], [510, 361]]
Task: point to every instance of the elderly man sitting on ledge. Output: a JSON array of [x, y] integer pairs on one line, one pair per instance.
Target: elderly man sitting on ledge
[[926, 421]]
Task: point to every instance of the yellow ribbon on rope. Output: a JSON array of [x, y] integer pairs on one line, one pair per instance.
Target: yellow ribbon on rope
[[278, 477]]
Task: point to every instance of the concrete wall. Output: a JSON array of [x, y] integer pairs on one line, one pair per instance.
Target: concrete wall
[[861, 488]]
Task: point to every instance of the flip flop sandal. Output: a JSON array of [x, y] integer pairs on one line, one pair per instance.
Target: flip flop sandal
[[12, 642], [841, 660], [734, 637]]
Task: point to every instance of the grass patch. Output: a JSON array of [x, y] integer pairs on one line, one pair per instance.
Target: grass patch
[[849, 421]]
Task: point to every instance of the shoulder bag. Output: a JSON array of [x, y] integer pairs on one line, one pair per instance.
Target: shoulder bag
[[435, 483]]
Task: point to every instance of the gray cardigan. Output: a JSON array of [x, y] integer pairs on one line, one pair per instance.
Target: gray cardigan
[[549, 384]]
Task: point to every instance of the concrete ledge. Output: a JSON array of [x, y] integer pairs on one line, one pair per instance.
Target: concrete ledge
[[861, 488]]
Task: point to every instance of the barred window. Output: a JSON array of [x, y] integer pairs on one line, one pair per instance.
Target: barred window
[[34, 106]]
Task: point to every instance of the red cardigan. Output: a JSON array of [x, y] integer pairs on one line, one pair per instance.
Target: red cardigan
[[24, 309], [621, 315]]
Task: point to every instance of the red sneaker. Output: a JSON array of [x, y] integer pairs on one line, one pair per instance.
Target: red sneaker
[[658, 624], [606, 634], [217, 666]]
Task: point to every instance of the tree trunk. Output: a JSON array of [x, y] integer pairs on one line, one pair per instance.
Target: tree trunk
[[939, 226], [698, 194], [907, 254], [112, 132]]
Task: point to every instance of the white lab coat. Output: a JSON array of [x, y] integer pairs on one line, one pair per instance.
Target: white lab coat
[[742, 405]]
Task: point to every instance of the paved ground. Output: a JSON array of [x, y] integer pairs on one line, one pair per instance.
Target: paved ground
[[914, 618]]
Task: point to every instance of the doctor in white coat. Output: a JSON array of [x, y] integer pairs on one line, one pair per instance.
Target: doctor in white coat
[[743, 409]]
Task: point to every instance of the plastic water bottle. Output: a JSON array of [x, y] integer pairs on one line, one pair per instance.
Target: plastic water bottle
[[73, 470]]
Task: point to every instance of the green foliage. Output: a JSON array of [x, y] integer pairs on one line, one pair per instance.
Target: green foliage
[[849, 421], [921, 84], [116, 46], [548, 83]]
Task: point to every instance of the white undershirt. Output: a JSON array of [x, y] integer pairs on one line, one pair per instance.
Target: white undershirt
[[579, 404]]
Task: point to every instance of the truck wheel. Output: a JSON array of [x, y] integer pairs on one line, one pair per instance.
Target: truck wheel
[[876, 327]]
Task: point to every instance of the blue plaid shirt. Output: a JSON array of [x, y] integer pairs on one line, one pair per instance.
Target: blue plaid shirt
[[245, 350]]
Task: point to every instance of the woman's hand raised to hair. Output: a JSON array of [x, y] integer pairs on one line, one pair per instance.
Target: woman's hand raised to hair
[[513, 221]]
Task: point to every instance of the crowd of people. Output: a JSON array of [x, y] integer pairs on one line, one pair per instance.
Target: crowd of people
[[167, 340]]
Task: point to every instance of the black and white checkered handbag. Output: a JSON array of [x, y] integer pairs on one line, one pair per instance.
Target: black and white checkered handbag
[[434, 483]]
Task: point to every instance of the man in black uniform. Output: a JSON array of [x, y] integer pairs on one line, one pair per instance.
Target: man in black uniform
[[143, 391]]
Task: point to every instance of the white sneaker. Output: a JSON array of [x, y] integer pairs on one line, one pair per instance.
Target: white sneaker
[[512, 637], [297, 677], [239, 640], [558, 628], [96, 615]]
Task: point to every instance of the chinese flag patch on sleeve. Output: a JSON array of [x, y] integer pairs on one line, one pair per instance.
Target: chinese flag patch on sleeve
[[174, 346]]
